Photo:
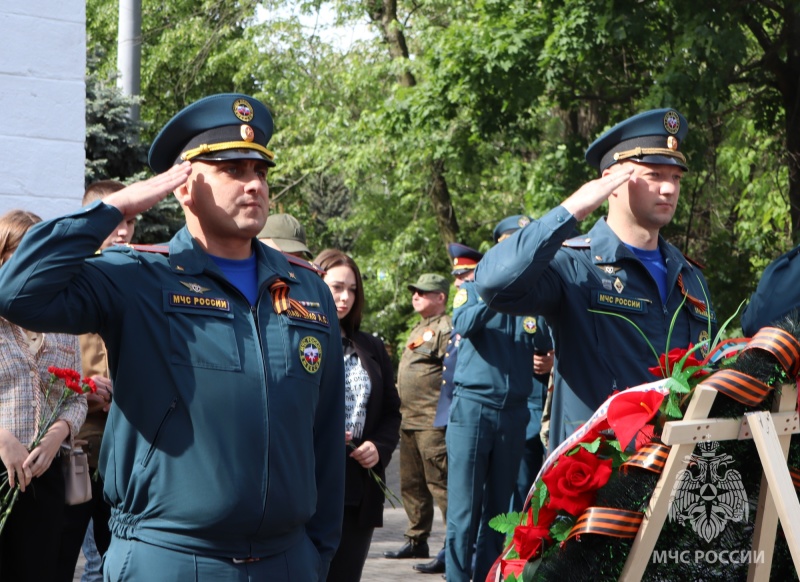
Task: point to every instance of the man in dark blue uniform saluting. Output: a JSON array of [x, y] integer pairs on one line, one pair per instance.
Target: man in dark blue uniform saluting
[[620, 267], [222, 453]]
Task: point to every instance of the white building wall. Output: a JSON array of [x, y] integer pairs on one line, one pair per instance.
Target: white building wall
[[42, 105]]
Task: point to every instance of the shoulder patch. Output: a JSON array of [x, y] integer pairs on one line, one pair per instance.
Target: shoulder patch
[[578, 242], [293, 260], [700, 266], [460, 298]]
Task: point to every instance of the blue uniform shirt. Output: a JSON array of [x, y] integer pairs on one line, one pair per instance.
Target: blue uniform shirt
[[537, 270], [225, 436]]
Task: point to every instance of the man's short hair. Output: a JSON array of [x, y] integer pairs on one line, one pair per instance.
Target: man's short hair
[[100, 189]]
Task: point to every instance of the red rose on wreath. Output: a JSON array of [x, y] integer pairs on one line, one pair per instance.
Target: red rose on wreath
[[528, 539], [574, 480]]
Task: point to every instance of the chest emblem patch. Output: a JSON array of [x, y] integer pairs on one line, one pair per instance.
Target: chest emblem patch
[[529, 324], [703, 337], [195, 287], [618, 285], [427, 335], [310, 354]]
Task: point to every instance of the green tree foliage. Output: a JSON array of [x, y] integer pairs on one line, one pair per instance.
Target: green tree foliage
[[190, 48], [505, 98], [113, 147]]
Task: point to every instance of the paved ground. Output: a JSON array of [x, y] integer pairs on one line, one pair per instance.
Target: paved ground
[[389, 537]]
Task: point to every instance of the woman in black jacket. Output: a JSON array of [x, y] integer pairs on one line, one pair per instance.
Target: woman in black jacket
[[372, 417]]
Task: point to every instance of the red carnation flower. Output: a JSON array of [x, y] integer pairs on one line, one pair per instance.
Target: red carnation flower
[[89, 383]]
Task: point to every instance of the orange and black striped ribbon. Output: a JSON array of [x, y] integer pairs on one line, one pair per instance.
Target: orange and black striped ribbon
[[651, 457], [415, 343], [701, 305], [739, 386], [781, 344], [281, 301], [607, 521], [795, 474]]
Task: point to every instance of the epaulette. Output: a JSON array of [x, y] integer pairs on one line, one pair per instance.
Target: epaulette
[[161, 249], [294, 260], [700, 266], [578, 242]]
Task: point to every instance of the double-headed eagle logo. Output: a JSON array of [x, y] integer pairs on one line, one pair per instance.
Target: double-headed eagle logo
[[708, 494]]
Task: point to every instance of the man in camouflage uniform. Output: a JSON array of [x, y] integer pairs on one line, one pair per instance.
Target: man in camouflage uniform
[[423, 452]]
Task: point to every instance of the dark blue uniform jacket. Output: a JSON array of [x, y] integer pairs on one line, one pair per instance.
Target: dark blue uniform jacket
[[495, 355], [225, 437], [537, 270]]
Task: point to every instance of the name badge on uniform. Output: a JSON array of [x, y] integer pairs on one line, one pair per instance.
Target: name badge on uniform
[[618, 302], [702, 313], [310, 316], [199, 302]]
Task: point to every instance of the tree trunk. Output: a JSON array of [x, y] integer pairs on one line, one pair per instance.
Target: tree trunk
[[384, 14]]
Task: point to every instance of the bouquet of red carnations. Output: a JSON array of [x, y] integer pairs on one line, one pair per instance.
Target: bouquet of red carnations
[[72, 380]]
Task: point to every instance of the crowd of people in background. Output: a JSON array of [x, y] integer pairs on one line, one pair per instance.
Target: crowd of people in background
[[257, 444]]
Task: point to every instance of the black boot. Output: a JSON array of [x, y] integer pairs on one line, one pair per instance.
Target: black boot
[[435, 566], [410, 549]]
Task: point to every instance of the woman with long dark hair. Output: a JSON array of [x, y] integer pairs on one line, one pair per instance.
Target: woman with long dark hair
[[372, 417]]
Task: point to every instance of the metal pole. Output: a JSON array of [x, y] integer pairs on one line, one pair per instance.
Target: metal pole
[[129, 50]]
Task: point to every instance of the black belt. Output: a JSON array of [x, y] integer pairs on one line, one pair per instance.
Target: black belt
[[246, 560]]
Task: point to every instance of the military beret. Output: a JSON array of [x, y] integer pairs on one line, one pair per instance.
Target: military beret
[[509, 225], [227, 126], [651, 137], [464, 258], [430, 282]]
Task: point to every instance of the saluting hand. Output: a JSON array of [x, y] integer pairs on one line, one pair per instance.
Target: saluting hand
[[591, 195], [141, 196]]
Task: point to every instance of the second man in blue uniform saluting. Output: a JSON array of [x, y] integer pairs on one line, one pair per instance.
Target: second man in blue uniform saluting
[[621, 267]]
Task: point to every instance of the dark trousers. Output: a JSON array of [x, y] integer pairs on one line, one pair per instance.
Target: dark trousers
[[348, 562], [29, 543], [76, 520]]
